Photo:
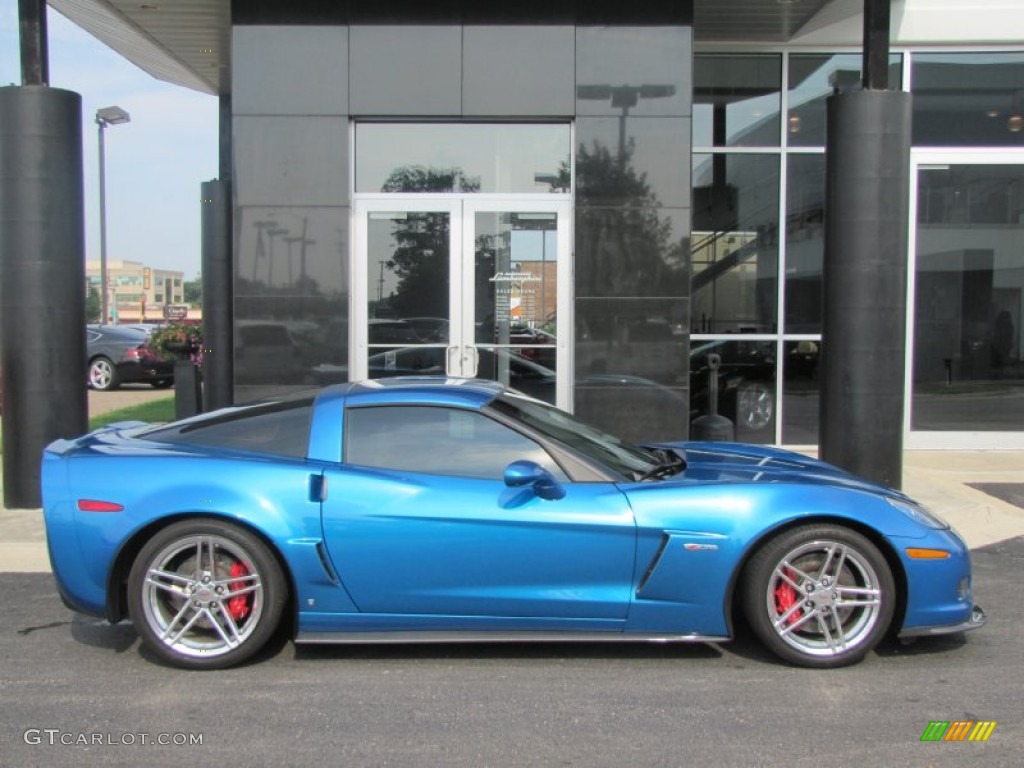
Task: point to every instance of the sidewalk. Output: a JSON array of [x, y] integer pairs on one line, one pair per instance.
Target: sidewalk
[[939, 479]]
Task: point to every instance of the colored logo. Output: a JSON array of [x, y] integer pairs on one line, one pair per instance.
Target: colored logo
[[958, 730]]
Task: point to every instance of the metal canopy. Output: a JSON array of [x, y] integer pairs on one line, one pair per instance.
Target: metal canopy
[[188, 42]]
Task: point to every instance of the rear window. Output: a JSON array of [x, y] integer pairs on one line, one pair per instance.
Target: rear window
[[280, 428]]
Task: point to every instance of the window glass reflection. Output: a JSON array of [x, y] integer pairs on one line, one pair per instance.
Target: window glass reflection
[[801, 392], [735, 243], [439, 441], [805, 242], [462, 157], [408, 275], [745, 384], [969, 300], [968, 99], [737, 100], [812, 79]]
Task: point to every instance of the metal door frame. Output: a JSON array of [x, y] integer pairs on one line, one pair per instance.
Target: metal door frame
[[928, 439], [461, 210]]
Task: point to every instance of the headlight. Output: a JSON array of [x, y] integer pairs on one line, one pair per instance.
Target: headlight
[[919, 514]]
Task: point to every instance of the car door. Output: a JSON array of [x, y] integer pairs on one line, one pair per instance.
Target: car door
[[419, 522]]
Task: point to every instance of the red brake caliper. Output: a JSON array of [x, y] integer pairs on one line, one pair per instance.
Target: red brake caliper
[[238, 606], [786, 598]]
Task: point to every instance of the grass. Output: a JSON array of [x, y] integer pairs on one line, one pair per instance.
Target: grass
[[154, 410]]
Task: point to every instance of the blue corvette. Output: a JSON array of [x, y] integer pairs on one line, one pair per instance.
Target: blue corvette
[[431, 509]]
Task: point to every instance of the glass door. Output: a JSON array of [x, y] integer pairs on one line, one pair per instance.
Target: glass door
[[463, 287], [965, 382]]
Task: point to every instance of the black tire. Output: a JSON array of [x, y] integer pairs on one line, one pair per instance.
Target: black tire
[[161, 383], [204, 594], [819, 596], [102, 374]]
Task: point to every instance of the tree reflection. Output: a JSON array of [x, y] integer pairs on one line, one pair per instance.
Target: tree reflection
[[420, 259], [628, 248]]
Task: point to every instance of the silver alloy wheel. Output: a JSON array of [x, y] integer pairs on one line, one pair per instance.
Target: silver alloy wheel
[[755, 405], [202, 596], [824, 598], [102, 375]]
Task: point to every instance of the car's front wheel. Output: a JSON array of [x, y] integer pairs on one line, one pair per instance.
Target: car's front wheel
[[819, 595], [103, 375], [205, 595]]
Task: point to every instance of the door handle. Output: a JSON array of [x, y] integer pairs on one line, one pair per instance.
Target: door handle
[[470, 361], [318, 487]]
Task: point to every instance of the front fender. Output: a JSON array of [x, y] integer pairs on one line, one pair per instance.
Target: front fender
[[693, 539]]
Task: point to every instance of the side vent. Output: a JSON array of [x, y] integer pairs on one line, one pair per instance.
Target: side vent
[[326, 563]]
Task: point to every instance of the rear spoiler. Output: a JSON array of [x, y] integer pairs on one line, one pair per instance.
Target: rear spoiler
[[63, 445]]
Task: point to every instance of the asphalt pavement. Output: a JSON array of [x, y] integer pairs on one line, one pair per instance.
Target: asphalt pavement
[[79, 692]]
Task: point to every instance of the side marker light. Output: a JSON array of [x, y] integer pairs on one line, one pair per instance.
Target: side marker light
[[916, 553], [92, 505]]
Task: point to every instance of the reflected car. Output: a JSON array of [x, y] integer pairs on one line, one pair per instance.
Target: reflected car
[[266, 353], [746, 382], [117, 354], [428, 329], [426, 509], [391, 331]]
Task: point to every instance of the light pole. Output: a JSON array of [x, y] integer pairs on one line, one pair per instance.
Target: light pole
[[104, 117], [624, 97]]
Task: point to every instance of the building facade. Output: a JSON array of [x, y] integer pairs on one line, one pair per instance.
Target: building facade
[[590, 201], [137, 293]]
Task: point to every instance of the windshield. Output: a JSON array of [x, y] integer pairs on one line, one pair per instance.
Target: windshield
[[609, 451]]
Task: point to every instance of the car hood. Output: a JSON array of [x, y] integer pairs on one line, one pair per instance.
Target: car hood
[[738, 463]]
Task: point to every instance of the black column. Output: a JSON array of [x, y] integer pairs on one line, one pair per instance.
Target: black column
[[218, 366], [42, 280], [864, 336], [35, 59]]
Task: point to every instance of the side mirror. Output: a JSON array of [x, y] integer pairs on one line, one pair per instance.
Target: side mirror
[[520, 474]]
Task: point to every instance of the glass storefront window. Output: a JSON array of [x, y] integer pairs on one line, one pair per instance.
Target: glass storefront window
[[968, 372], [462, 157], [812, 79], [735, 243], [968, 99], [745, 383], [737, 100], [801, 390], [805, 242]]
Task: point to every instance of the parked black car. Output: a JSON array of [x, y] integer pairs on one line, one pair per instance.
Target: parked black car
[[117, 354]]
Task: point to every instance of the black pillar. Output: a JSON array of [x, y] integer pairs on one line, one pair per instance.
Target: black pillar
[[218, 365], [42, 280], [35, 60], [865, 278], [876, 45]]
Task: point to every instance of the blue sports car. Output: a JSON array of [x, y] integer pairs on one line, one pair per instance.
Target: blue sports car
[[430, 509]]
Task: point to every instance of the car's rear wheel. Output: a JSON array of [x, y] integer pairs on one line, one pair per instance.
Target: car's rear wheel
[[819, 595], [205, 595], [103, 374]]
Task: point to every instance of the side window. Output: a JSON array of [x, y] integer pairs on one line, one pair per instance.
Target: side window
[[280, 428], [437, 441]]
